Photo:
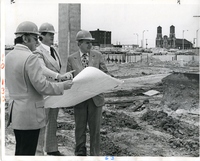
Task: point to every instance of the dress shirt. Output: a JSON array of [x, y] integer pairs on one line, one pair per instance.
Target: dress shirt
[[48, 49], [85, 59]]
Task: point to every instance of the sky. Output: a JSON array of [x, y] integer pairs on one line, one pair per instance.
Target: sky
[[125, 19]]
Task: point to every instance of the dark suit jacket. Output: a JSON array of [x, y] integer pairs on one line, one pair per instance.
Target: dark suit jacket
[[95, 60]]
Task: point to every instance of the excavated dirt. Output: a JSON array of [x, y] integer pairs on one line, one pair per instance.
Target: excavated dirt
[[134, 124]]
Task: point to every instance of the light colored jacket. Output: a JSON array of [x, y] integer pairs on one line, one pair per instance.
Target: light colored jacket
[[95, 60], [48, 63], [27, 85]]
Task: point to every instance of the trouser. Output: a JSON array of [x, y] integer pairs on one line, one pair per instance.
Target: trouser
[[87, 112], [26, 141], [47, 139], [51, 142]]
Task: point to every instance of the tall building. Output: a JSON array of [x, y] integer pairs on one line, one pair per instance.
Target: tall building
[[172, 37], [159, 39], [171, 41], [101, 37]]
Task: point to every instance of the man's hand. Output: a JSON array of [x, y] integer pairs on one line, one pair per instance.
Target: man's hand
[[68, 84], [66, 76]]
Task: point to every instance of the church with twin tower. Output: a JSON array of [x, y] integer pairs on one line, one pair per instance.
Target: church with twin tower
[[171, 41]]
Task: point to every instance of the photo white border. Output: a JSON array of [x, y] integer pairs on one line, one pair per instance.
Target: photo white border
[[71, 158]]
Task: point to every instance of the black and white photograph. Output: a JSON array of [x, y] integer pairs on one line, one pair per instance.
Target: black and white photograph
[[100, 80]]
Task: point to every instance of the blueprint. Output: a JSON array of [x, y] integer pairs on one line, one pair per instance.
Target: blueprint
[[87, 84]]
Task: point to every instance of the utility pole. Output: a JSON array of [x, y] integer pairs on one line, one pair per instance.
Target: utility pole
[[143, 38], [146, 44], [197, 49], [197, 38], [183, 39], [194, 42], [137, 38]]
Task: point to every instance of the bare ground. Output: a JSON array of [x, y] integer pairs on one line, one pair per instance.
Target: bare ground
[[134, 124]]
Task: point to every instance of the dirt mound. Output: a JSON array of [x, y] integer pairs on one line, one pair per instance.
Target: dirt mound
[[181, 91], [192, 63], [184, 135], [115, 121], [180, 100], [110, 148]]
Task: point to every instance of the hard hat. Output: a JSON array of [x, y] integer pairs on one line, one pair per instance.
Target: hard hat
[[47, 27], [84, 35], [26, 27]]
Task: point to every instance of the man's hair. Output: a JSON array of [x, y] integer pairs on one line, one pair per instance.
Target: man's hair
[[19, 40], [40, 37]]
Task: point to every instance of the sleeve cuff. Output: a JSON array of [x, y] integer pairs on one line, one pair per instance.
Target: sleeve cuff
[[56, 78]]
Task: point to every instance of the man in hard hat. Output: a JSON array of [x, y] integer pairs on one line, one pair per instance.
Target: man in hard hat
[[90, 111], [51, 65], [27, 85]]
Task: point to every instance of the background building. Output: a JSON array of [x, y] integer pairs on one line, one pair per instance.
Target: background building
[[159, 39], [171, 41], [102, 38]]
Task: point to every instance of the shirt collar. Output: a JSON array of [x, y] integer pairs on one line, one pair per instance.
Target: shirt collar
[[46, 47], [81, 53], [21, 45]]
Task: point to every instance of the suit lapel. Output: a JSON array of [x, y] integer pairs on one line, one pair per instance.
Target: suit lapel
[[57, 56], [77, 60], [49, 58], [91, 58]]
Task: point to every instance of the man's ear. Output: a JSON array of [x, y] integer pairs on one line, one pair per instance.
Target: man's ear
[[25, 39], [42, 36], [79, 43]]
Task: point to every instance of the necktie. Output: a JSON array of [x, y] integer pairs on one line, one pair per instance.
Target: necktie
[[52, 53], [85, 61]]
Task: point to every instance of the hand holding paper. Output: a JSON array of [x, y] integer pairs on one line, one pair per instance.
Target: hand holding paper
[[87, 84]]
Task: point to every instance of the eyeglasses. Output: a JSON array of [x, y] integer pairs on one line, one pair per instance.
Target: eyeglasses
[[35, 38], [88, 42]]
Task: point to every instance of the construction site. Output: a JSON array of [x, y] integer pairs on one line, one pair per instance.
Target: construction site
[[137, 124], [155, 112]]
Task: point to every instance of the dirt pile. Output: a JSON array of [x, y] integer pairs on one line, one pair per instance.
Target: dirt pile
[[181, 91], [178, 112], [116, 121], [192, 63], [112, 149], [185, 136]]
